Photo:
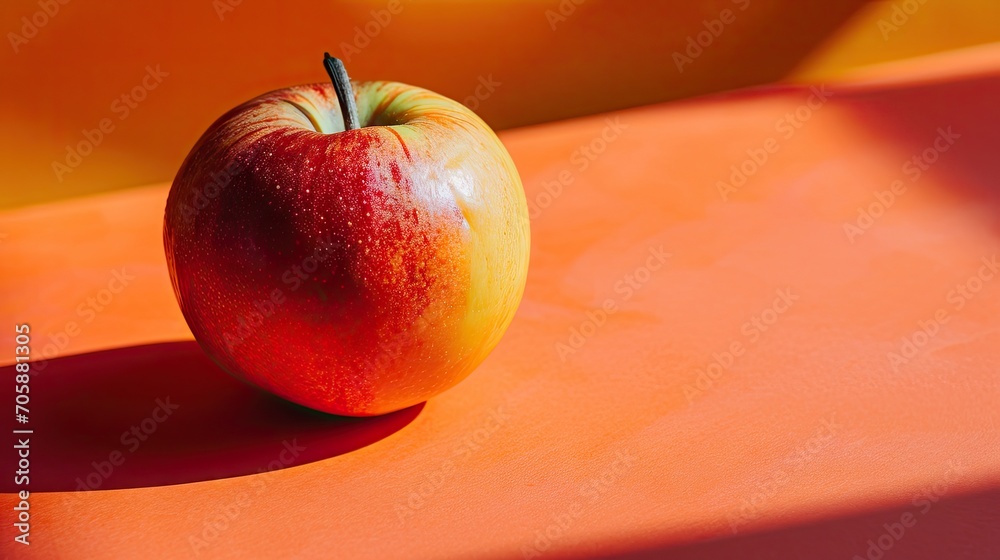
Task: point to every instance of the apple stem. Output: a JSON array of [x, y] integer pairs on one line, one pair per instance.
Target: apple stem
[[342, 85]]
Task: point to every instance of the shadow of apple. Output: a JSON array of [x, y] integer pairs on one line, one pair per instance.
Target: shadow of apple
[[164, 414]]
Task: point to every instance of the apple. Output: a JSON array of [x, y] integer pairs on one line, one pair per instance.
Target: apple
[[354, 248]]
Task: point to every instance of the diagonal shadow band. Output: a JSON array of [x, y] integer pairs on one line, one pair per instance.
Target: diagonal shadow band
[[960, 526], [163, 414]]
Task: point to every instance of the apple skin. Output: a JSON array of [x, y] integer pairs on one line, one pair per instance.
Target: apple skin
[[353, 272]]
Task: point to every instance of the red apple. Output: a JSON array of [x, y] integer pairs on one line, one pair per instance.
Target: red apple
[[352, 268]]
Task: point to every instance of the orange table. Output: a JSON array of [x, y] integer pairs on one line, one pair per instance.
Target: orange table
[[755, 324]]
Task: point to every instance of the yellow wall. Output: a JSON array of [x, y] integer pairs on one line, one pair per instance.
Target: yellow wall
[[551, 59], [873, 36]]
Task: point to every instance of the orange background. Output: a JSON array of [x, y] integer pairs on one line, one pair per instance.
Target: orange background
[[604, 56], [760, 432]]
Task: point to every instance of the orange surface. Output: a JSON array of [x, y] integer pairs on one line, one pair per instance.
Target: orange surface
[[806, 443]]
